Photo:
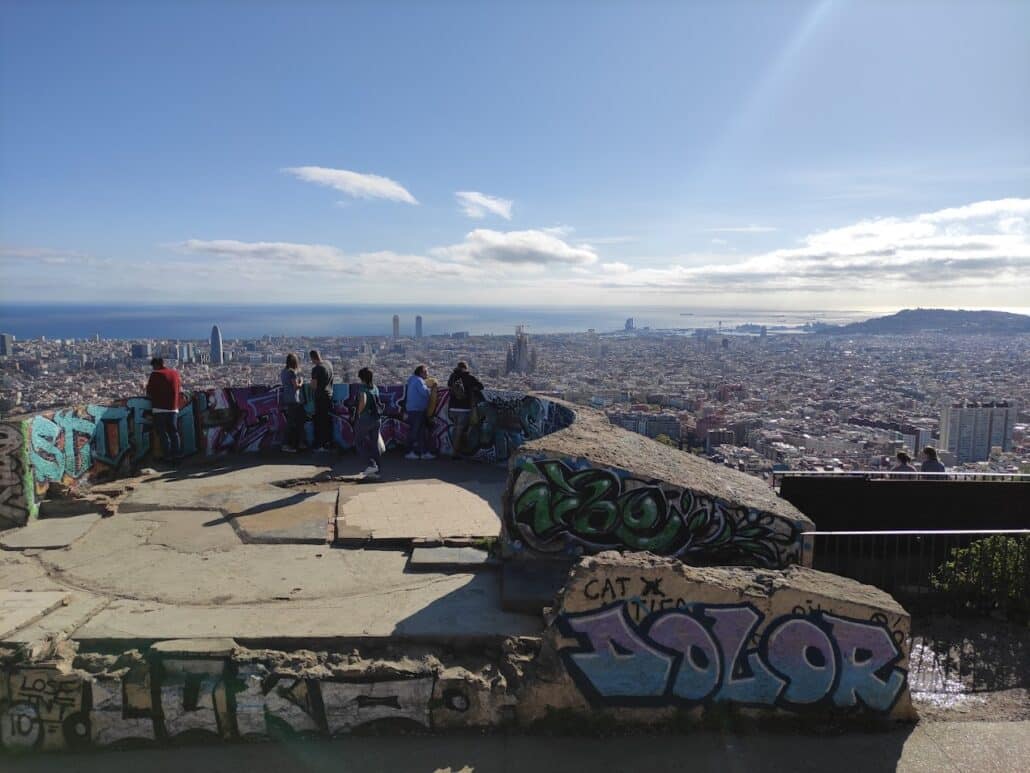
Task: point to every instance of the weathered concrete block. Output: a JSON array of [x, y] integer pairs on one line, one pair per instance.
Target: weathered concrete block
[[44, 710], [462, 698], [122, 711], [192, 692], [640, 634], [349, 705], [593, 487], [270, 705], [17, 488]]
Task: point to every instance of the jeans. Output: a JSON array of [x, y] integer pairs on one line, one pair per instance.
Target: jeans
[[167, 426], [323, 421], [366, 433], [295, 418], [417, 431]]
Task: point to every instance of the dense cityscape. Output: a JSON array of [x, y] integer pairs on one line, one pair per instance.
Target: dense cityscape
[[757, 401]]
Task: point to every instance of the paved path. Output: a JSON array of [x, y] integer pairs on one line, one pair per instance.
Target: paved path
[[954, 747]]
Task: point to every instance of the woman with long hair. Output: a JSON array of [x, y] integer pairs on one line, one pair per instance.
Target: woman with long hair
[[290, 400], [369, 422]]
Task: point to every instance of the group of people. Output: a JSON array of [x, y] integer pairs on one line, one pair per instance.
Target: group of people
[[420, 397], [930, 462]]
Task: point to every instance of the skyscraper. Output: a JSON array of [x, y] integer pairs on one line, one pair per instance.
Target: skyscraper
[[216, 346], [396, 326], [629, 324], [969, 430], [6, 345], [520, 359], [418, 326]]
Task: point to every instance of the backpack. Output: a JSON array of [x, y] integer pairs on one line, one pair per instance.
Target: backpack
[[457, 387], [374, 404]]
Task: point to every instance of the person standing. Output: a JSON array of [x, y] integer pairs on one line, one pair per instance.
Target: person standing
[[322, 383], [904, 463], [289, 399], [930, 461], [163, 388], [416, 403], [368, 423], [465, 393]]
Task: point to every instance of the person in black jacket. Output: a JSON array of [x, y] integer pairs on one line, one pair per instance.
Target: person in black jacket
[[466, 391], [322, 383]]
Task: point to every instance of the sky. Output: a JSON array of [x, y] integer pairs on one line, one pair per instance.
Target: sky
[[788, 155]]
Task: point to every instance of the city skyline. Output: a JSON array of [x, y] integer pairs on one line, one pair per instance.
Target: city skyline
[[819, 155]]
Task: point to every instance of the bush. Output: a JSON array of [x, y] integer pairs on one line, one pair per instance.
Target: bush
[[990, 574]]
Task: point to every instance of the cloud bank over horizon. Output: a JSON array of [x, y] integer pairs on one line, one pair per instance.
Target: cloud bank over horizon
[[977, 250]]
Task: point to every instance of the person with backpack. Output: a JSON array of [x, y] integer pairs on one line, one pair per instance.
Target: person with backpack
[[368, 423], [466, 392]]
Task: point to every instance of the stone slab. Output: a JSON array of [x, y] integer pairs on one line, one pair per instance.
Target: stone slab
[[294, 518], [62, 622], [441, 559], [430, 509], [438, 608], [530, 586], [48, 534], [203, 647], [21, 608]]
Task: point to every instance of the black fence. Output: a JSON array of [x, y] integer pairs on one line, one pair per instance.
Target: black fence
[[968, 593]]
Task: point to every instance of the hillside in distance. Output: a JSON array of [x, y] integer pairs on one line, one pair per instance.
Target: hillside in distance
[[936, 321]]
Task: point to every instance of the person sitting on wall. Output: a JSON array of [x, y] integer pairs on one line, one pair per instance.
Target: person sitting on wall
[[163, 388], [322, 383], [904, 463], [930, 461], [416, 403], [466, 392]]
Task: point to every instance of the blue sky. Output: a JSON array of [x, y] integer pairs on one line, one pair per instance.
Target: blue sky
[[772, 155]]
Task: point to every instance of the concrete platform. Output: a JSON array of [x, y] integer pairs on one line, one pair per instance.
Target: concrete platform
[[21, 608], [48, 534], [467, 559]]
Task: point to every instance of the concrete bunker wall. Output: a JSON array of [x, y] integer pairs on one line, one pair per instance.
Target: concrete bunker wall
[[83, 444], [593, 487]]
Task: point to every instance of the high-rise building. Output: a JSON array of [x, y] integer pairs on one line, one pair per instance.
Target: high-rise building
[[141, 351], [968, 430], [217, 357], [396, 326], [418, 326], [6, 345], [629, 324]]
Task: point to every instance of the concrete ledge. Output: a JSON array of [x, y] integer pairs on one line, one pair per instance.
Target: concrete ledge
[[645, 638], [593, 487]]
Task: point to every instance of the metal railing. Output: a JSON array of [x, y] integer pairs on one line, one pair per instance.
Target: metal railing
[[968, 593]]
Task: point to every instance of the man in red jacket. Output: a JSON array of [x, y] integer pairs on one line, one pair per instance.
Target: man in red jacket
[[163, 389]]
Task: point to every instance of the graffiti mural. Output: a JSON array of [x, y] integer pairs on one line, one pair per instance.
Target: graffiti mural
[[561, 505], [696, 654], [17, 497], [94, 442], [177, 699]]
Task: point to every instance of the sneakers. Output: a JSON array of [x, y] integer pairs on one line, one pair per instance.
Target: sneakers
[[371, 471], [412, 455], [289, 449], [427, 456], [321, 449]]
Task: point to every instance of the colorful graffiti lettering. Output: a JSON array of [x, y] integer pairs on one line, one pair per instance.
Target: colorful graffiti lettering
[[700, 654], [17, 497], [559, 507]]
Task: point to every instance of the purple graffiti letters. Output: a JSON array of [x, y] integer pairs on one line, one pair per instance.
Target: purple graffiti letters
[[701, 655]]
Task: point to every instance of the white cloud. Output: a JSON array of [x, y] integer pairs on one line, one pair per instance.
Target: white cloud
[[524, 248], [982, 243], [478, 205], [356, 184]]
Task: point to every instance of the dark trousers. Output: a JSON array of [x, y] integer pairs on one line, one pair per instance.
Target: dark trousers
[[323, 421], [417, 431], [167, 426], [295, 418], [366, 433]]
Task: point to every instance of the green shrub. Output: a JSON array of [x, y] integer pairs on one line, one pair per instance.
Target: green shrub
[[990, 574]]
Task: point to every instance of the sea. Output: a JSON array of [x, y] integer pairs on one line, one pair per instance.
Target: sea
[[193, 322]]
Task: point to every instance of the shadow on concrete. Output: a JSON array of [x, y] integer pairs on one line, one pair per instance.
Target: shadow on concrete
[[293, 499], [901, 749]]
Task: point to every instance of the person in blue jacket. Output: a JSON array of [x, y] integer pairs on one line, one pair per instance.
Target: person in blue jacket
[[416, 401]]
